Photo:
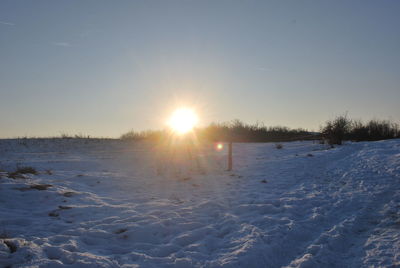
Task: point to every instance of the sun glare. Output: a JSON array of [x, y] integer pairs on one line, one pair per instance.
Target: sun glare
[[219, 146], [183, 120]]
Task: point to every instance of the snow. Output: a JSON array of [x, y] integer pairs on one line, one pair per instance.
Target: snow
[[304, 205]]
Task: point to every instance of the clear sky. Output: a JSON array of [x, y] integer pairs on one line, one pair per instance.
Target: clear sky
[[105, 67]]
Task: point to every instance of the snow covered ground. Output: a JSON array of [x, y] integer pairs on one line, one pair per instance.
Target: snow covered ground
[[106, 205]]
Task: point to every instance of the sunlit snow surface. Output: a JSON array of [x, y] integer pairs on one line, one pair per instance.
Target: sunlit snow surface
[[301, 206]]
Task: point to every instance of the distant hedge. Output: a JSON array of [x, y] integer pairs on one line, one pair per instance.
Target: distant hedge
[[235, 131], [342, 128], [334, 132]]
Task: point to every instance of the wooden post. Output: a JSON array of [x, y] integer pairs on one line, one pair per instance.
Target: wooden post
[[230, 157]]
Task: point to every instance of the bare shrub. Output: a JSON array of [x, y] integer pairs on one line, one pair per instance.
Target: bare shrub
[[342, 128], [336, 130]]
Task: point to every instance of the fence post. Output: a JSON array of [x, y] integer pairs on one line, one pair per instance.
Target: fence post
[[230, 157]]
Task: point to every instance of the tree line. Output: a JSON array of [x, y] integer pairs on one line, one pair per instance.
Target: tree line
[[334, 131], [235, 131]]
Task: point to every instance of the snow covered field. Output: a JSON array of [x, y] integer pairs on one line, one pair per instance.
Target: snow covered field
[[105, 206]]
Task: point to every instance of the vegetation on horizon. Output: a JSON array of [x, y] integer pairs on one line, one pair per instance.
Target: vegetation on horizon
[[333, 132], [235, 131], [342, 128]]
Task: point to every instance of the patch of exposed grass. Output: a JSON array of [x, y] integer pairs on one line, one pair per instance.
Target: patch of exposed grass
[[69, 194], [17, 174], [54, 214], [10, 245], [40, 187], [64, 207], [120, 231]]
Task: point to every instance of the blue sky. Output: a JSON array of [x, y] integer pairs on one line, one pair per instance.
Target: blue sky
[[105, 67]]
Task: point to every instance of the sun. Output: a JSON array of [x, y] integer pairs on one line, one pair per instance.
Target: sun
[[183, 120]]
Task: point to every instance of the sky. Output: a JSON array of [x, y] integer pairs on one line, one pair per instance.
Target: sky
[[102, 68]]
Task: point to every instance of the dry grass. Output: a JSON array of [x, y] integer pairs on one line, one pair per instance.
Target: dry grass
[[40, 187], [120, 231], [17, 174], [69, 194], [278, 146], [10, 245], [64, 207], [54, 214]]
